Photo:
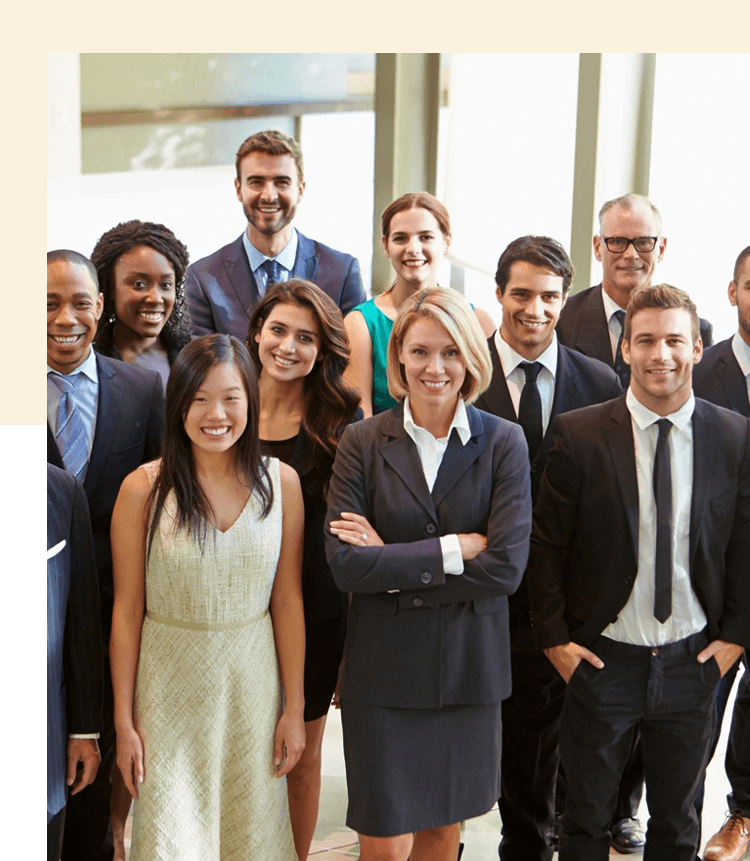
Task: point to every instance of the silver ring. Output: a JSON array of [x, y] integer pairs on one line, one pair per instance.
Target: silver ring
[[364, 536]]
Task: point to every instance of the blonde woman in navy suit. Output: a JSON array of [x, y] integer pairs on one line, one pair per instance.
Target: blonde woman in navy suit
[[429, 516]]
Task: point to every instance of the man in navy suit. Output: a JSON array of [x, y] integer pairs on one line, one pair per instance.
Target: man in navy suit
[[638, 580], [104, 419], [223, 288], [533, 277], [723, 377], [74, 644]]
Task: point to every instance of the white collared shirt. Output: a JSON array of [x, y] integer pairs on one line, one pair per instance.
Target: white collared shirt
[[431, 453], [636, 622], [86, 398], [515, 376], [613, 324], [741, 352], [285, 258]]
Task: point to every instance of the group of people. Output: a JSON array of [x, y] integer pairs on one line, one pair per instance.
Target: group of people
[[334, 500]]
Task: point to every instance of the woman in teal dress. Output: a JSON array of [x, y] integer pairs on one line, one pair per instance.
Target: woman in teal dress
[[416, 235]]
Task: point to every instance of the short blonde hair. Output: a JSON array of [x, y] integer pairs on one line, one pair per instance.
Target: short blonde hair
[[457, 317]]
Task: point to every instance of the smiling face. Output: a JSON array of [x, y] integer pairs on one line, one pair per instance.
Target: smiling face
[[74, 306], [532, 301], [415, 245], [661, 353], [288, 342], [739, 297], [144, 283], [269, 191], [630, 269], [217, 416], [433, 367]]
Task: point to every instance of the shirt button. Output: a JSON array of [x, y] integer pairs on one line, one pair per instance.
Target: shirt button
[[416, 602], [655, 652], [426, 577], [431, 529]]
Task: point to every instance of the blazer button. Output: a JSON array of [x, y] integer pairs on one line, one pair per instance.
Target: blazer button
[[416, 602], [426, 577], [431, 529]]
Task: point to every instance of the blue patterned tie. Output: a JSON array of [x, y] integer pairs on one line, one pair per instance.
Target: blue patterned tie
[[272, 268], [622, 368], [71, 430]]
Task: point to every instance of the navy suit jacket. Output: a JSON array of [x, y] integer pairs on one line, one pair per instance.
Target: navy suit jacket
[[584, 545], [719, 379], [222, 292], [583, 326], [129, 422], [440, 639], [74, 635]]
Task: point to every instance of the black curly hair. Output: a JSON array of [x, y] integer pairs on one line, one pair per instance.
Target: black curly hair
[[108, 250]]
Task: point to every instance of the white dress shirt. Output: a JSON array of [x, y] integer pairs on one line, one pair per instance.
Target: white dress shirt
[[431, 453], [613, 324], [741, 352], [86, 398], [515, 377], [636, 622]]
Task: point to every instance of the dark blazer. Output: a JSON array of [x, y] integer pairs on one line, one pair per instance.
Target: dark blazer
[[222, 292], [583, 326], [74, 635], [129, 422], [719, 379], [584, 550], [441, 639]]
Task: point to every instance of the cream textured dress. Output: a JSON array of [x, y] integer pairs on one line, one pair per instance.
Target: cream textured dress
[[208, 695]]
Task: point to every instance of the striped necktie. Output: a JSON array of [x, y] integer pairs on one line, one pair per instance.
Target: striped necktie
[[71, 429]]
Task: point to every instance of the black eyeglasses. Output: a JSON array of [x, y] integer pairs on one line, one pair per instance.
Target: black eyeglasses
[[618, 244]]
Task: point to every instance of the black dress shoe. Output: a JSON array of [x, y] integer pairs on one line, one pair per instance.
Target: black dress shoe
[[628, 836]]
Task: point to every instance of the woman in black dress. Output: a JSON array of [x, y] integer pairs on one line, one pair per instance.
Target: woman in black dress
[[141, 267], [297, 338], [429, 513]]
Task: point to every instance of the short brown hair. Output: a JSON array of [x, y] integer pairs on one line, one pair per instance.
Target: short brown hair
[[416, 200], [663, 297], [541, 251], [457, 317], [744, 254], [272, 143]]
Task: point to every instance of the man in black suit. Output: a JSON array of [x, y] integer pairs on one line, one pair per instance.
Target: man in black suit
[[533, 276], [638, 580], [104, 419], [723, 377], [223, 288], [74, 644]]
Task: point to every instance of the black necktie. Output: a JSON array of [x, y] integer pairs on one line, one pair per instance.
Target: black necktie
[[530, 407], [273, 269], [622, 368], [663, 497]]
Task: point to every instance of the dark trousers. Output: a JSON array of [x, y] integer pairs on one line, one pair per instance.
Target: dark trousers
[[737, 762], [669, 696], [54, 835], [531, 727]]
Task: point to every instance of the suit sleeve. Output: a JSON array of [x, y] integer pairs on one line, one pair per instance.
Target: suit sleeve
[[555, 516], [155, 422], [199, 306], [83, 655], [352, 293]]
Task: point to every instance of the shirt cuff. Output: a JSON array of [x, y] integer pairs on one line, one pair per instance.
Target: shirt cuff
[[453, 562], [83, 735]]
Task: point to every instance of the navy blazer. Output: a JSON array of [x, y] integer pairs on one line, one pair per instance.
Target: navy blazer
[[584, 547], [74, 634], [129, 422], [440, 639], [718, 378], [583, 326], [222, 292]]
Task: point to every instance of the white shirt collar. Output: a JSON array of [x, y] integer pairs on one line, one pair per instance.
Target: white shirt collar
[[741, 352], [460, 422], [644, 417], [87, 367], [610, 306], [286, 257], [510, 359]]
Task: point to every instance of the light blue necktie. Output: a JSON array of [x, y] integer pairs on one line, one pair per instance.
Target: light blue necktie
[[71, 430], [272, 268]]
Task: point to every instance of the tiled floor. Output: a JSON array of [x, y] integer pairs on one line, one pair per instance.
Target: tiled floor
[[335, 842]]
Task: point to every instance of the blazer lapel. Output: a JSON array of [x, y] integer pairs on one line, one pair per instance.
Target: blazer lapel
[[399, 451], [733, 381], [705, 434], [496, 399], [458, 458], [53, 452], [240, 276], [306, 262], [107, 415], [593, 333], [622, 450]]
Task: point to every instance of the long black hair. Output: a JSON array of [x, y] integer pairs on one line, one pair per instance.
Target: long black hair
[[177, 471]]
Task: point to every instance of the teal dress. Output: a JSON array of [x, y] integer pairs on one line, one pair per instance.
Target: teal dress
[[379, 326]]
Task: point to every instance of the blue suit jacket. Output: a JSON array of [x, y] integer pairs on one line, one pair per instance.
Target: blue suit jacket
[[222, 292], [74, 636], [129, 422], [441, 639], [719, 379]]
